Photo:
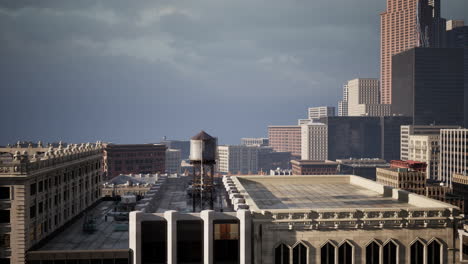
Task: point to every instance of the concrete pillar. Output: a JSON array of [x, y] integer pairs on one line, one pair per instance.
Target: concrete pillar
[[171, 218], [135, 236], [245, 232], [207, 217]]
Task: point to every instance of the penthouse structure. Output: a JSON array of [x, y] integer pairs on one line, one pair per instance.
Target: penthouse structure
[[405, 25], [285, 139], [134, 158], [301, 219], [41, 190]]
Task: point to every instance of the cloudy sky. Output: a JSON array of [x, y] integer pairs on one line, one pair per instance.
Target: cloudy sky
[[135, 71]]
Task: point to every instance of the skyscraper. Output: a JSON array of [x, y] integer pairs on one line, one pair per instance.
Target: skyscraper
[[404, 25]]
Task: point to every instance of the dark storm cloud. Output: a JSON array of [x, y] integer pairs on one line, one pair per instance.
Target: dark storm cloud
[[134, 71]]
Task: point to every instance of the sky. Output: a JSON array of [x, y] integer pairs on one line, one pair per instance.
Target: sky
[[135, 71]]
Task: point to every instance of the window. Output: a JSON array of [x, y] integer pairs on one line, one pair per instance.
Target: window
[[4, 216], [282, 254], [373, 253], [4, 240], [33, 189], [390, 253], [327, 254], [434, 255], [417, 253], [41, 207], [32, 211], [41, 186], [345, 253], [4, 193], [300, 254]]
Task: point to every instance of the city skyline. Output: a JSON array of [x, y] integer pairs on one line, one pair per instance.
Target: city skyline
[[126, 74]]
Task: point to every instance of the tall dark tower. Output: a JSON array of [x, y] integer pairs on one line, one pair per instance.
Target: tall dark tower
[[203, 158]]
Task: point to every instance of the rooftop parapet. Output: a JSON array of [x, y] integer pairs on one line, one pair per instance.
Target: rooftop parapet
[[24, 160]]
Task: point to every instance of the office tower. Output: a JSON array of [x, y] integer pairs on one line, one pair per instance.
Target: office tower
[[405, 25], [409, 130], [457, 37], [237, 159], [343, 104], [183, 145], [173, 160], [133, 158], [453, 149], [390, 127], [268, 159], [425, 148], [429, 85], [285, 139], [321, 111], [363, 98], [41, 190], [314, 141], [254, 141]]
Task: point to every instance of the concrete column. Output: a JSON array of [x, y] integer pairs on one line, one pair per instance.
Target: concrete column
[[171, 218], [135, 235], [245, 232], [207, 216]]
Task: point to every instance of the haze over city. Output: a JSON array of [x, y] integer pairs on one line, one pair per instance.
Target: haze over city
[[136, 71]]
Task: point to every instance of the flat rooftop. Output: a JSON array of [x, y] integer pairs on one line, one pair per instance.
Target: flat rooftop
[[325, 192], [105, 237]]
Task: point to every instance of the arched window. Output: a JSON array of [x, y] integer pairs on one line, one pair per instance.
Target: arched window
[[282, 254], [417, 253], [434, 252], [300, 254], [373, 253], [345, 253], [390, 253], [327, 254]]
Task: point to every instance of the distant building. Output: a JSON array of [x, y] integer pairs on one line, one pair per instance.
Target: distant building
[[133, 158], [425, 148], [321, 111], [285, 139], [268, 159], [429, 85], [42, 189], [280, 172], [364, 98], [303, 121], [452, 24], [365, 168], [453, 150], [254, 141], [135, 184], [404, 25], [343, 104], [234, 159], [407, 175], [460, 188], [314, 141], [173, 160], [314, 167], [183, 145], [410, 130]]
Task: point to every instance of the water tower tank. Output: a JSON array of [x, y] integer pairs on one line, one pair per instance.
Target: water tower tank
[[203, 148]]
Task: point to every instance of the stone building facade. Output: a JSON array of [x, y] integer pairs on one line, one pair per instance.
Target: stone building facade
[[42, 189]]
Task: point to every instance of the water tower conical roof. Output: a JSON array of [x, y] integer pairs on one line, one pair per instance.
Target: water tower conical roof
[[202, 136]]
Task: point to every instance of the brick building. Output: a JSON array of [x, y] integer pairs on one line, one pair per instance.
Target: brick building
[[314, 167]]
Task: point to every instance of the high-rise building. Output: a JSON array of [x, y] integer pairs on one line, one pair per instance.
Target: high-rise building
[[343, 104], [183, 145], [173, 160], [237, 159], [405, 25], [133, 158], [254, 141], [285, 139], [429, 85], [268, 159], [452, 24], [41, 190], [321, 111], [314, 141], [425, 148], [409, 130], [364, 98], [453, 149]]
